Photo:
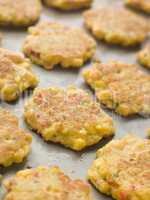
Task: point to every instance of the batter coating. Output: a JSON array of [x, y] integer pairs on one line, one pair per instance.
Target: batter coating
[[19, 13], [122, 87], [15, 75], [144, 56], [14, 142], [143, 5], [69, 117], [68, 4], [117, 25], [122, 169], [50, 44], [43, 183]]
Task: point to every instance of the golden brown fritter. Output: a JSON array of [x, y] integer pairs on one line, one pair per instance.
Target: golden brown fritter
[[14, 142], [144, 56], [19, 12], [122, 87], [69, 117], [50, 44], [122, 169], [43, 183], [68, 4], [148, 132], [117, 25], [143, 5], [15, 75]]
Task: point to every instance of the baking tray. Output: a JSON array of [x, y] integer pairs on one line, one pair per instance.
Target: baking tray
[[72, 163]]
